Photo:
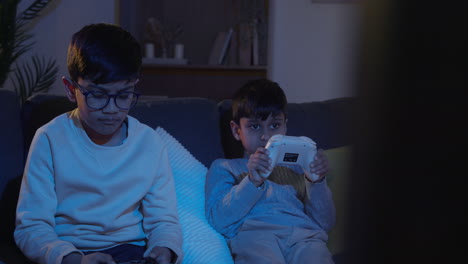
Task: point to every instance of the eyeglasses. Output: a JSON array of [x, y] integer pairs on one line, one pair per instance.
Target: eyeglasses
[[98, 100]]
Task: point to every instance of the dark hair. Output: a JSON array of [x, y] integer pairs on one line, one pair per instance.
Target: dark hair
[[258, 98], [103, 53]]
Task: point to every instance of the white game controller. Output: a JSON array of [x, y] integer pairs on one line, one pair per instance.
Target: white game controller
[[291, 150]]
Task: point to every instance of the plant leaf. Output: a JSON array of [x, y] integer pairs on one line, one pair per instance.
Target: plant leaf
[[34, 9], [33, 77]]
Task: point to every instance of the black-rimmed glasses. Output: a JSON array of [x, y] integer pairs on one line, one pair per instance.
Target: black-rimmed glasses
[[98, 100]]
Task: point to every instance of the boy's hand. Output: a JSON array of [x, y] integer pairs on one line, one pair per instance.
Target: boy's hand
[[259, 162], [160, 255], [318, 166], [94, 258]]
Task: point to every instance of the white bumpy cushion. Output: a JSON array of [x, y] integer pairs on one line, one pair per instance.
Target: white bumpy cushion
[[202, 244]]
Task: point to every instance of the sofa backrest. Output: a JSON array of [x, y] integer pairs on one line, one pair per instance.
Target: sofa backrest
[[11, 141], [192, 121], [329, 123], [40, 109], [202, 125]]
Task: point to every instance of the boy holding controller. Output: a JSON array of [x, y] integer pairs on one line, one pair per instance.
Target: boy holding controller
[[283, 217]]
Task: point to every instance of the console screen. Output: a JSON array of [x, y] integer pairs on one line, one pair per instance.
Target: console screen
[[290, 157]]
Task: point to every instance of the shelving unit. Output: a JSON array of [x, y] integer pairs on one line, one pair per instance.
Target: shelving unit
[[201, 21]]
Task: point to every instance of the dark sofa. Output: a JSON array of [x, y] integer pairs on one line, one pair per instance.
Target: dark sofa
[[201, 125]]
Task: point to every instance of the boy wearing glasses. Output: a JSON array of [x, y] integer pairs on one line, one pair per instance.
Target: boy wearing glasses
[[97, 186]]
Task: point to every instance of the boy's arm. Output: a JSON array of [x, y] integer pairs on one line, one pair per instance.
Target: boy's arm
[[228, 202], [318, 201], [35, 215], [161, 222], [319, 204]]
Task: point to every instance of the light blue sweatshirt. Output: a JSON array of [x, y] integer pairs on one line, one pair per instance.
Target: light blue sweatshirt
[[77, 195], [286, 199]]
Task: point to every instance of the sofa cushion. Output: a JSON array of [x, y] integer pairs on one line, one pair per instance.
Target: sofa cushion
[[202, 244], [338, 179], [231, 147], [328, 123], [311, 120], [342, 113]]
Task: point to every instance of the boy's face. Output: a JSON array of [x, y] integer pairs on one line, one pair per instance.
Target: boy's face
[[254, 133], [106, 121]]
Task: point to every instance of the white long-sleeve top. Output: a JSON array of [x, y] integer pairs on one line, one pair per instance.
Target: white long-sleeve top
[[77, 195]]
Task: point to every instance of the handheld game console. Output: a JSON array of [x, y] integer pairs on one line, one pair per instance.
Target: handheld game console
[[291, 150]]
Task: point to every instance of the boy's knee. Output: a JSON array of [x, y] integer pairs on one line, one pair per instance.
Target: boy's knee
[[247, 247], [310, 251]]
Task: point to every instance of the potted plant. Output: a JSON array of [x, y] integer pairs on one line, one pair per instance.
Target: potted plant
[[35, 74]]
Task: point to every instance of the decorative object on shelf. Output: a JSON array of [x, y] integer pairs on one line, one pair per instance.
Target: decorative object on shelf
[[155, 61], [220, 48], [226, 46], [255, 46], [149, 50], [245, 45], [334, 1], [252, 31], [161, 36], [179, 51]]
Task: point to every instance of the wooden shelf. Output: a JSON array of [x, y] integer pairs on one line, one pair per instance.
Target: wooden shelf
[[215, 82], [202, 69], [204, 66]]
